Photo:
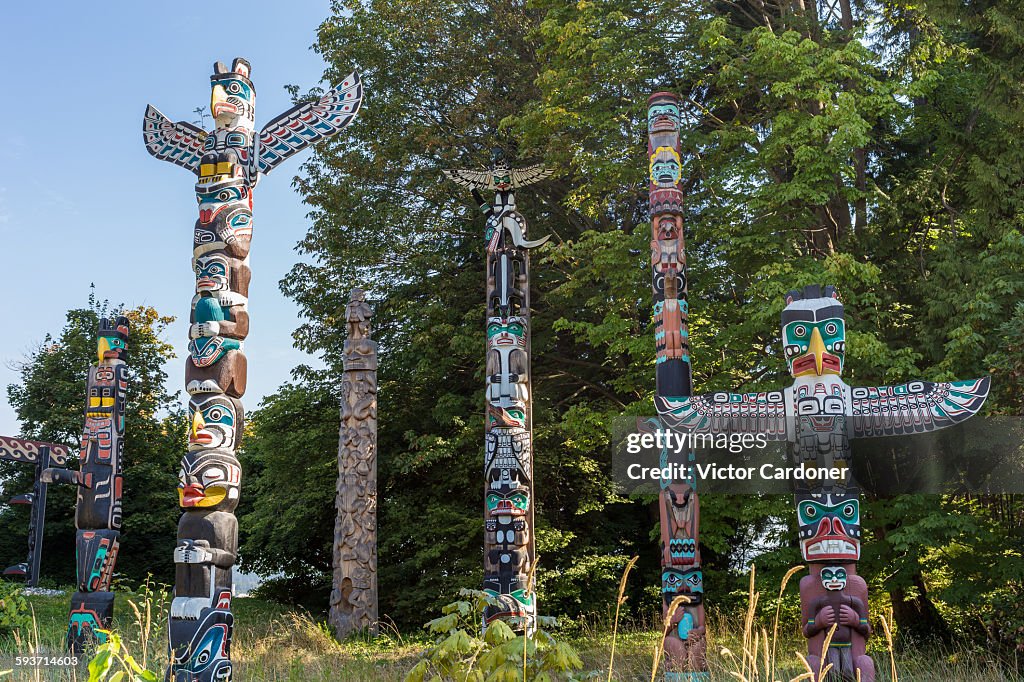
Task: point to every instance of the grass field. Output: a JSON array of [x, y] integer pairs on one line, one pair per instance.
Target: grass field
[[274, 643]]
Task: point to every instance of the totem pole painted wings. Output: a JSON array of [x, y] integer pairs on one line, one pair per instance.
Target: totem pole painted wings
[[308, 122], [180, 143], [726, 413], [915, 407], [500, 177]]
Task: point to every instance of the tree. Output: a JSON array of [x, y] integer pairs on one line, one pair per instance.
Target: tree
[[878, 149], [49, 401]]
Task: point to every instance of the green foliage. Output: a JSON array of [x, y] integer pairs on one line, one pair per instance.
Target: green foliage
[[290, 457], [114, 663], [14, 613], [501, 655], [883, 156], [49, 401]]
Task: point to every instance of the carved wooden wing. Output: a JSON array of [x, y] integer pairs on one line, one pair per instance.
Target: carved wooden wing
[[755, 413], [180, 143], [21, 450], [471, 178], [915, 407], [521, 177], [309, 122]]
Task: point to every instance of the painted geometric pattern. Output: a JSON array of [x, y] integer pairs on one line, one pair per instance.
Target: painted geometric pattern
[[20, 450], [915, 407], [180, 143], [726, 413], [308, 122]]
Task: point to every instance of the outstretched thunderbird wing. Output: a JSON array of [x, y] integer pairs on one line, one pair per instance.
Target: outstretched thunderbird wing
[[521, 177], [755, 413], [471, 178], [309, 122], [180, 143], [915, 407]]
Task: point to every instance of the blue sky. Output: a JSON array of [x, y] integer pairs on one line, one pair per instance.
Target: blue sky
[[80, 199]]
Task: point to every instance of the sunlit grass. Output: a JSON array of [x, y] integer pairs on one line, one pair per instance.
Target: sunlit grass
[[273, 643]]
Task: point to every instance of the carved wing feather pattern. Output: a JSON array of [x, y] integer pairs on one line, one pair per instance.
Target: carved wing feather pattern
[[180, 143], [471, 178], [754, 413], [521, 177], [309, 122], [915, 407]]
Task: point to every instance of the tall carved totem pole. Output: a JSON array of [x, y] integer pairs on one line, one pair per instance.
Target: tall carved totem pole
[[819, 414], [98, 507], [509, 547], [228, 162], [354, 597], [678, 504]]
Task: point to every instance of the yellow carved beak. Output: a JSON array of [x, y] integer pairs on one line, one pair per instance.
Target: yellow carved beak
[[102, 346], [198, 423], [818, 348], [218, 96]]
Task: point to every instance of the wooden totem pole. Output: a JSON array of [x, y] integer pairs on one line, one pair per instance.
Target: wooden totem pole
[[41, 455], [228, 163], [679, 508], [509, 547], [98, 507], [819, 414], [354, 597]]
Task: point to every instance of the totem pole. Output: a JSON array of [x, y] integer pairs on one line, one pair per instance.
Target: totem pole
[[98, 507], [678, 504], [42, 455], [228, 162], [509, 548], [354, 597], [818, 415]]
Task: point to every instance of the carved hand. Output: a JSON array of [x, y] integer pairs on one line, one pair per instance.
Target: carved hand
[[825, 618], [204, 329], [193, 552], [847, 616]]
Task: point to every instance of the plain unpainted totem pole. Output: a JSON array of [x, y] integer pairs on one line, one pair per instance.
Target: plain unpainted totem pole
[[679, 508], [99, 482], [818, 415], [509, 547], [354, 597], [228, 162]]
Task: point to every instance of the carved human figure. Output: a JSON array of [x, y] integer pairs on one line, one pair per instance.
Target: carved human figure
[[835, 596]]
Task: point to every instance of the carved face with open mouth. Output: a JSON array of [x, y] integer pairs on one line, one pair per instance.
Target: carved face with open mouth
[[662, 114], [833, 578], [215, 421], [829, 527], [209, 479], [666, 169]]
